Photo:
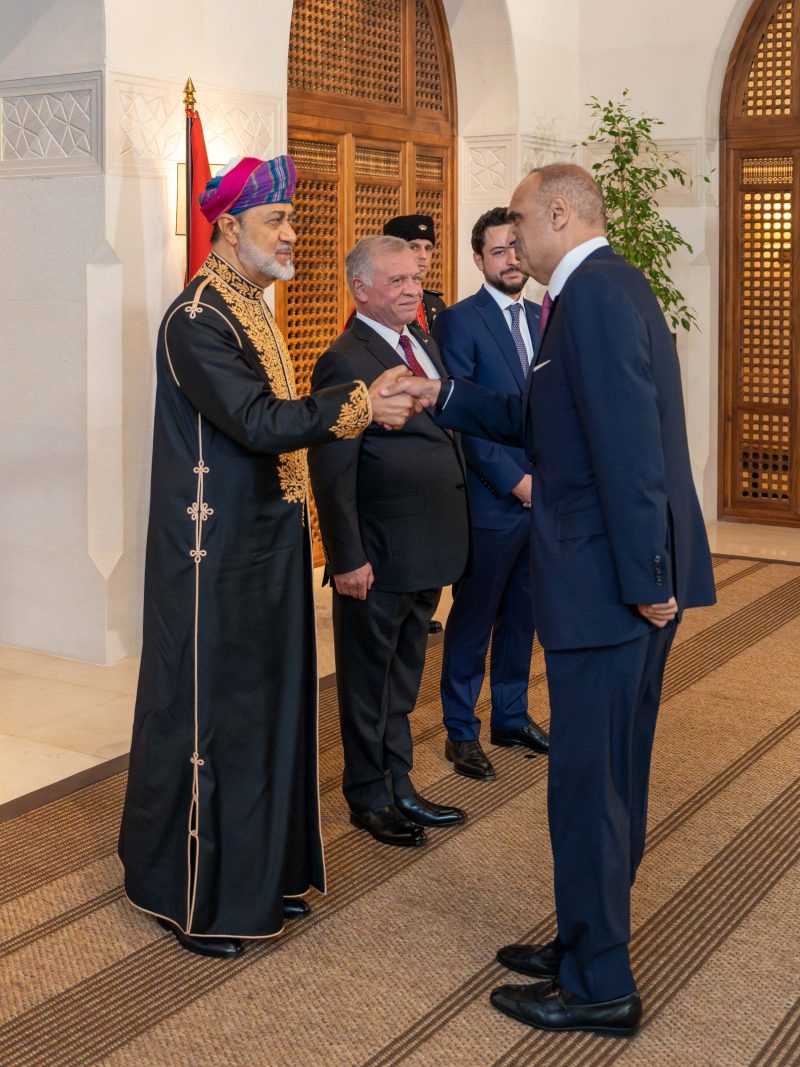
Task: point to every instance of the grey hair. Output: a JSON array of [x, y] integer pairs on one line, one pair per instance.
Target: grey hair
[[577, 186], [360, 259]]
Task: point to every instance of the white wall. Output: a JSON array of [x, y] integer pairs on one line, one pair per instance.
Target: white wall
[[52, 595]]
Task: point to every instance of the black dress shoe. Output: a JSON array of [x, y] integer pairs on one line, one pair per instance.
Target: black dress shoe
[[548, 1007], [223, 948], [539, 961], [425, 813], [435, 627], [295, 908], [469, 759], [389, 826], [530, 735]]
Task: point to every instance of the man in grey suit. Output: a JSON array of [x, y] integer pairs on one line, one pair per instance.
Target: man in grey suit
[[393, 518]]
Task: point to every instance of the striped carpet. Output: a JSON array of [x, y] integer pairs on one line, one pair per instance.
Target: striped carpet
[[394, 966]]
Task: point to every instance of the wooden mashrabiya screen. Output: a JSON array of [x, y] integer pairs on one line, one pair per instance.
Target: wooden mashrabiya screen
[[760, 159], [372, 132]]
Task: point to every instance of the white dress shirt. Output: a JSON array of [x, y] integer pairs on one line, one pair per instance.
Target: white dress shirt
[[504, 302], [571, 261], [392, 338]]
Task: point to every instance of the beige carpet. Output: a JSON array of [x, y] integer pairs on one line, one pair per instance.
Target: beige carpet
[[395, 964]]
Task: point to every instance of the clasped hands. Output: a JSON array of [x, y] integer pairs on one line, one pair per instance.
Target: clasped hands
[[397, 395]]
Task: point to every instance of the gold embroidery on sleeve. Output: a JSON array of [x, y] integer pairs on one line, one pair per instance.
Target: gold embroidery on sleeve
[[355, 415]]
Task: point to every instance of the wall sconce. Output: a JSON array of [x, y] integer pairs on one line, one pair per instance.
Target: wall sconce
[[180, 199]]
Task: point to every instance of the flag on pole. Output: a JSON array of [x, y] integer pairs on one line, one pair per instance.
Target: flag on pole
[[198, 173]]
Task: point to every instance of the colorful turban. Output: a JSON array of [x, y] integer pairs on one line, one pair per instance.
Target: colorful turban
[[411, 228], [249, 183]]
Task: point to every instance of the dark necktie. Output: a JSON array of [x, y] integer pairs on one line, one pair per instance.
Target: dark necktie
[[547, 307], [411, 359], [519, 340]]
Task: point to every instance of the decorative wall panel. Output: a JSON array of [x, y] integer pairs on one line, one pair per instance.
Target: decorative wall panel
[[147, 124], [488, 168], [51, 126]]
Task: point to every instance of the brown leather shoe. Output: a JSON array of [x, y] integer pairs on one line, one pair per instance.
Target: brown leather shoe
[[469, 759]]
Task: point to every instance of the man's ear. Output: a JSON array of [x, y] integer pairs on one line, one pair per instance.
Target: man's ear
[[229, 228], [559, 212], [477, 259], [359, 289]]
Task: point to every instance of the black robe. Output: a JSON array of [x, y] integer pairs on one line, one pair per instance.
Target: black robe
[[221, 817]]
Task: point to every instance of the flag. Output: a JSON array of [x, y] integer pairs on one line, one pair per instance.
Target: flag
[[198, 173]]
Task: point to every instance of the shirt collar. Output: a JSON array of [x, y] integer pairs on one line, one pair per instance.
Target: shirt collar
[[570, 262], [390, 336], [503, 300]]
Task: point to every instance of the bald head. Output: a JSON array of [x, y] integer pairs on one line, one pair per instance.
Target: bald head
[[552, 210]]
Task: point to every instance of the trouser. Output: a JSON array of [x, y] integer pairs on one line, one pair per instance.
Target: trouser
[[380, 648], [603, 708], [492, 599]]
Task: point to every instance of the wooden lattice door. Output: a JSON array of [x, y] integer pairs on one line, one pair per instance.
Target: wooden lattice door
[[372, 133], [760, 439]]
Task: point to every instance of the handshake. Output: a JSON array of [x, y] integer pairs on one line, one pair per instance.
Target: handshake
[[398, 394]]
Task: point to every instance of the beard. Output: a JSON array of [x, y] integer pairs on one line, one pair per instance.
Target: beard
[[262, 262], [510, 288]]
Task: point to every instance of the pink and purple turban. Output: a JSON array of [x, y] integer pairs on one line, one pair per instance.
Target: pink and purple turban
[[249, 183]]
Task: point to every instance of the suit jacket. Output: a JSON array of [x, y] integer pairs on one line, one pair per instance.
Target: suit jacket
[[615, 516], [476, 344], [396, 499]]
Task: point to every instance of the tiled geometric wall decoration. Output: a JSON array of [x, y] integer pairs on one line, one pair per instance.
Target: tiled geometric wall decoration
[[51, 126], [147, 124]]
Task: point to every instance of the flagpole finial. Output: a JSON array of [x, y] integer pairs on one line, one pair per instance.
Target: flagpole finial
[[189, 98]]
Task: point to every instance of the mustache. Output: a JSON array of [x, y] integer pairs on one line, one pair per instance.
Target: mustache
[[284, 247]]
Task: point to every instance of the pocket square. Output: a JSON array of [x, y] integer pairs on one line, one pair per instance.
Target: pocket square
[[539, 366]]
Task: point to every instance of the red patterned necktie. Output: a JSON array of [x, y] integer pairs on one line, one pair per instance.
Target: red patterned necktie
[[411, 359], [547, 307]]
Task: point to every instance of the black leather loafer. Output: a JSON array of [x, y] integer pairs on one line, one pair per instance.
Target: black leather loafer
[[529, 736], [222, 948], [389, 826], [548, 1007], [424, 812], [469, 759], [295, 908], [539, 961], [435, 627]]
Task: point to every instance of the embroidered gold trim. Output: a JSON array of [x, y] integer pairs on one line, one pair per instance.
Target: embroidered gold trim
[[199, 512], [247, 305], [355, 415]]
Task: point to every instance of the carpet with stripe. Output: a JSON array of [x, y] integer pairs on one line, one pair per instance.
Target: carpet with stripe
[[395, 965]]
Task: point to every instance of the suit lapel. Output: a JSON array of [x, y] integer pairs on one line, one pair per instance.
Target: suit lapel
[[495, 322], [380, 349], [430, 346]]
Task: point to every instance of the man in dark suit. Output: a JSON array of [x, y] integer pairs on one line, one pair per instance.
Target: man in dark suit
[[489, 338], [393, 518], [618, 550]]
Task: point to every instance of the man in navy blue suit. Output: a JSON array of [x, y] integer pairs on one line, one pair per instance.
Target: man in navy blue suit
[[490, 338], [619, 549]]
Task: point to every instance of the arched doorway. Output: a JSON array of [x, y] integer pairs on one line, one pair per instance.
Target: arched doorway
[[760, 309], [371, 124]]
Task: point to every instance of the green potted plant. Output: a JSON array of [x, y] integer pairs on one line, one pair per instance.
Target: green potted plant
[[631, 175]]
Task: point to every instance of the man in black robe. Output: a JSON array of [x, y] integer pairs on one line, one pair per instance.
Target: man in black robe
[[220, 834]]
